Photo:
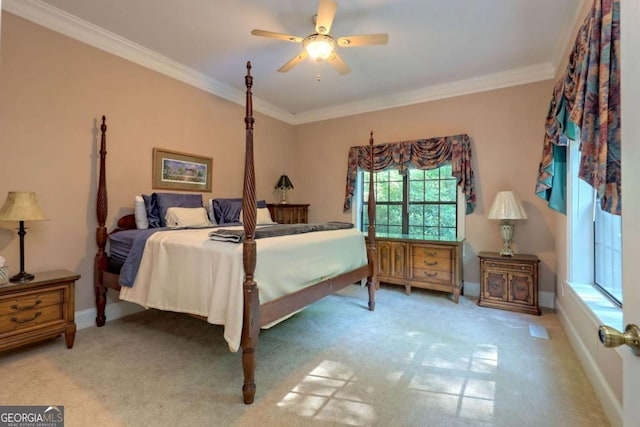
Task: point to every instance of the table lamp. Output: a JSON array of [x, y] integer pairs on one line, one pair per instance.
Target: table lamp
[[21, 206], [284, 184], [506, 207]]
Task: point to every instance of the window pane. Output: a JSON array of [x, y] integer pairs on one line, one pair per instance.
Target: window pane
[[395, 191], [448, 191], [382, 215], [608, 253], [431, 215], [416, 191], [448, 233], [445, 172], [432, 174], [448, 216], [432, 191], [395, 215]]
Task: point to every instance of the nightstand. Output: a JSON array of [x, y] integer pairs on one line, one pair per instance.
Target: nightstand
[[510, 283], [36, 310], [288, 213]]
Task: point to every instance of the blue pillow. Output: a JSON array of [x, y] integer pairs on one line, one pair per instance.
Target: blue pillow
[[227, 211], [177, 200], [152, 210]]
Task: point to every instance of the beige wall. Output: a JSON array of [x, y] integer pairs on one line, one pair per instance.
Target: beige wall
[[53, 91], [506, 129]]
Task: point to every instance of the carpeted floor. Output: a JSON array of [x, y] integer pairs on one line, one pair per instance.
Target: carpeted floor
[[418, 360]]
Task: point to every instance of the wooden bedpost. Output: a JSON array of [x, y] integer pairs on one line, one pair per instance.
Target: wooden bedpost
[[101, 231], [371, 231], [251, 308]]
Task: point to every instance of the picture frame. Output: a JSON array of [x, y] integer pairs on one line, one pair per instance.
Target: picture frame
[[173, 170]]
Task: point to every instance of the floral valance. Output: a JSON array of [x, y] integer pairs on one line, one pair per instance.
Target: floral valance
[[586, 107], [419, 154]]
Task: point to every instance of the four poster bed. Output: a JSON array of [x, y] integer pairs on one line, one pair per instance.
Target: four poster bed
[[253, 314]]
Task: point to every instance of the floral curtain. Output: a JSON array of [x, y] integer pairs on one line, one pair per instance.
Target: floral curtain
[[420, 154], [586, 107]]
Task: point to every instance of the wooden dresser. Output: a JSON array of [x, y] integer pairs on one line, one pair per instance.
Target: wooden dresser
[[39, 309], [288, 213], [427, 264], [510, 283]]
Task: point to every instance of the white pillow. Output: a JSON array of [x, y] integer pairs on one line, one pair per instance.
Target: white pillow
[[263, 217], [140, 213], [187, 217]]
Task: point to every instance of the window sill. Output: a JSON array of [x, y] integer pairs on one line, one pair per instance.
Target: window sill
[[606, 312]]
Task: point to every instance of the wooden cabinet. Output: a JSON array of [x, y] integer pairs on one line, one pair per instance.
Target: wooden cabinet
[[427, 264], [510, 283], [288, 213], [39, 309]]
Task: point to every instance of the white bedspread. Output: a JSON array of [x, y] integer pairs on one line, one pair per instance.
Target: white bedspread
[[184, 271]]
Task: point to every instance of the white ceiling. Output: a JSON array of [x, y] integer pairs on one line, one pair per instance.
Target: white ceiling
[[437, 48]]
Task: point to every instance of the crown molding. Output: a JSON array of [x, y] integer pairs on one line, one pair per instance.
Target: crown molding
[[484, 83], [71, 26]]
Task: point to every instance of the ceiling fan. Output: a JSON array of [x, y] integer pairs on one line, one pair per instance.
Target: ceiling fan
[[321, 45]]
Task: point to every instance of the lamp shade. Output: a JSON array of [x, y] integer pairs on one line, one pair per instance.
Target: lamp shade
[[284, 183], [507, 206], [21, 206]]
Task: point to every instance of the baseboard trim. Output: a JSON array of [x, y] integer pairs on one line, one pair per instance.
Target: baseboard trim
[[611, 405], [115, 310]]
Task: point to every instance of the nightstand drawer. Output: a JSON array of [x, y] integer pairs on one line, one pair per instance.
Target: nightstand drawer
[[507, 266], [35, 300], [30, 318]]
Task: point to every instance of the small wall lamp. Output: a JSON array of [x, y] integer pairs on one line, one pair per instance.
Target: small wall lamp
[[21, 206], [507, 207]]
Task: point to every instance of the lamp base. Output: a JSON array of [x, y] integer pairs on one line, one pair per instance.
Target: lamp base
[[506, 252], [506, 232], [22, 277]]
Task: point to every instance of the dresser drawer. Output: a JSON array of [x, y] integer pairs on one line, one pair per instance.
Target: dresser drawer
[[431, 257], [32, 301], [30, 318], [431, 276]]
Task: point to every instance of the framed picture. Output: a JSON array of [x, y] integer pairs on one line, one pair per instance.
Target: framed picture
[[173, 170]]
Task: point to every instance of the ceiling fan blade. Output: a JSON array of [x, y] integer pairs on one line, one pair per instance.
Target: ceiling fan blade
[[338, 64], [363, 40], [324, 18], [279, 36], [295, 61]]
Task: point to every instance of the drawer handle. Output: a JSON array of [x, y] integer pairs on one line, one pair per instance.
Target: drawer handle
[[493, 265], [430, 274], [27, 320], [427, 253], [27, 307], [522, 267], [430, 264]]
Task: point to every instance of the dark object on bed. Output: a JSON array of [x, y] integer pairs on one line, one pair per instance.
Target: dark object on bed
[[255, 315], [237, 236]]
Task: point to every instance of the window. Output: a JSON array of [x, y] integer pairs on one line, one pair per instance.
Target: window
[[607, 253], [595, 241], [422, 203]]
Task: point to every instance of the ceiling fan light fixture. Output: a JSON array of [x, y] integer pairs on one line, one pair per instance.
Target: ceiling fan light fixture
[[319, 46]]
